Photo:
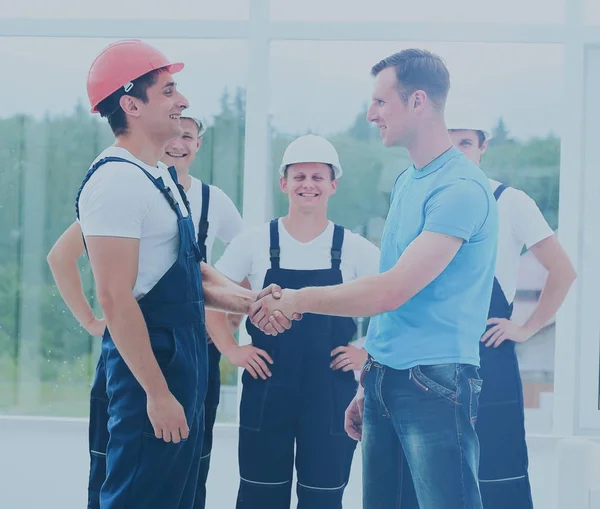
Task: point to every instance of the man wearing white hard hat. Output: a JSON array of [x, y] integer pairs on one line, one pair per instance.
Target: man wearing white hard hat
[[214, 216], [503, 476], [301, 406]]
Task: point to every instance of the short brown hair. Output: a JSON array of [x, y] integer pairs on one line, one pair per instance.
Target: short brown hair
[[418, 69], [111, 108]]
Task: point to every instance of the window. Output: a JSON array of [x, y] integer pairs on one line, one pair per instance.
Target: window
[[592, 12], [48, 140], [590, 331]]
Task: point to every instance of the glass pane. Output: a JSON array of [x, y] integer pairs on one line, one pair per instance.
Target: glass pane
[[330, 85], [114, 9], [434, 11], [48, 140], [592, 12]]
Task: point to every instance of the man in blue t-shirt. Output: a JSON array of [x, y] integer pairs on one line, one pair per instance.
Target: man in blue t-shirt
[[420, 386]]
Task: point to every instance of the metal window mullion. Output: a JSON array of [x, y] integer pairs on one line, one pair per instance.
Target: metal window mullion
[[568, 337], [257, 172], [29, 361]]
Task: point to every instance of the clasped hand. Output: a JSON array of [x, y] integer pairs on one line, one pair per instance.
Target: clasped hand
[[274, 310]]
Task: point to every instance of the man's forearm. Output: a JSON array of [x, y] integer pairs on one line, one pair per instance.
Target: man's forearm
[[234, 321], [422, 261], [553, 295], [68, 281], [219, 330], [367, 296], [221, 294], [129, 332]]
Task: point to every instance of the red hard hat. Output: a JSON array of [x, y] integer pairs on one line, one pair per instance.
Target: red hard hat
[[121, 63]]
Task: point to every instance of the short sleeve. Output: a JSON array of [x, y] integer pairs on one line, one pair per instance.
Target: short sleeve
[[230, 221], [458, 209], [236, 262], [108, 208], [527, 221]]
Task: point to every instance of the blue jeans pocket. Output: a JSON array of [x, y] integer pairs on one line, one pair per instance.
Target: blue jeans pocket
[[440, 380]]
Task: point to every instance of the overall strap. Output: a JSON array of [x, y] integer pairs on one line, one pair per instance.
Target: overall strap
[[336, 246], [158, 182], [499, 190], [203, 225], [500, 303], [274, 250], [180, 188]]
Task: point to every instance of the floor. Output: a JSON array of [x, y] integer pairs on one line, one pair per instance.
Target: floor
[[43, 464]]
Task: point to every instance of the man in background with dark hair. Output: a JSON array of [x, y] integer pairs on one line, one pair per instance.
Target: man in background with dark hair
[[503, 469], [141, 242], [420, 384]]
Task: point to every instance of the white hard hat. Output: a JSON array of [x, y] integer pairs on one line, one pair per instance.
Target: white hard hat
[[466, 125], [311, 149], [196, 117]]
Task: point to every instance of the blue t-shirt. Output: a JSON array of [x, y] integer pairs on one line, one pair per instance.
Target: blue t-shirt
[[444, 322]]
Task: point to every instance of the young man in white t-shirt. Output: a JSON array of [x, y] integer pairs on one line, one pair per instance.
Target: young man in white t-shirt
[[218, 219], [215, 216], [297, 415], [503, 476], [152, 288]]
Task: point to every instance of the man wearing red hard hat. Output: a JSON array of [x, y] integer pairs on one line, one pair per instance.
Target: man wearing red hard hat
[[152, 288]]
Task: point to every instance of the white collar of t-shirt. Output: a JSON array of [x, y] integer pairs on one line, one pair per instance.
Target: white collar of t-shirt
[[123, 153]]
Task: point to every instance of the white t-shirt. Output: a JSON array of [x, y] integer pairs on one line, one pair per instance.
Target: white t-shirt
[[119, 200], [248, 255], [224, 220], [521, 223]]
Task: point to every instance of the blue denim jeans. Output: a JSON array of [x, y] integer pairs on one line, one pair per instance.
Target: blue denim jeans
[[419, 445]]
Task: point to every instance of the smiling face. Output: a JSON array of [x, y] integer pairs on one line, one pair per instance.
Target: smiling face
[[393, 116], [181, 151], [160, 114], [308, 186]]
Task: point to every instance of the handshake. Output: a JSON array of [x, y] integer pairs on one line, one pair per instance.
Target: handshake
[[274, 310]]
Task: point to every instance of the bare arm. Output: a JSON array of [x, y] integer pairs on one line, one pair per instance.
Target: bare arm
[[561, 275], [422, 261], [235, 319], [62, 260], [114, 263], [219, 330], [247, 356], [222, 294], [115, 266]]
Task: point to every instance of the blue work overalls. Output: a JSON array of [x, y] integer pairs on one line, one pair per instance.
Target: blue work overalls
[[301, 405], [503, 477], [214, 373], [141, 471]]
